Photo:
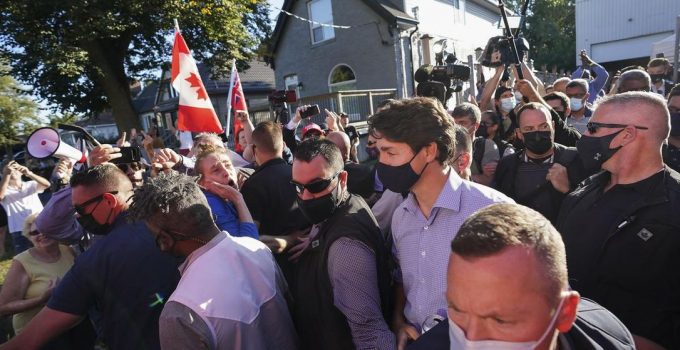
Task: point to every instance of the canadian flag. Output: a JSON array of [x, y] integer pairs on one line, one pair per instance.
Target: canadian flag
[[195, 112], [238, 100]]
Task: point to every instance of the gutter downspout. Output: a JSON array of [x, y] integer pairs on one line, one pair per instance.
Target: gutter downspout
[[410, 49], [397, 58]]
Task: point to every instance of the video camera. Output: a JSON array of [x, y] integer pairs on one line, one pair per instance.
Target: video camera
[[282, 96], [498, 52], [443, 80], [278, 100]]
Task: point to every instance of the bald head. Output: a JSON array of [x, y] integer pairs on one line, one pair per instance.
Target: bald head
[[638, 108], [561, 84], [341, 140]]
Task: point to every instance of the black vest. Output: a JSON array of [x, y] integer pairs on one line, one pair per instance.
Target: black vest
[[319, 323]]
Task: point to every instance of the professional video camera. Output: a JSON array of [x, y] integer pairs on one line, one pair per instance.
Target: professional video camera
[[498, 51], [441, 81], [278, 100]]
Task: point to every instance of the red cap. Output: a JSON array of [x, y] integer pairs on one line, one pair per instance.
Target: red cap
[[309, 127]]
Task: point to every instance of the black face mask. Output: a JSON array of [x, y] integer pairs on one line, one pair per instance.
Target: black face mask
[[561, 114], [594, 151], [398, 179], [675, 124], [656, 78], [538, 142], [482, 131], [319, 209], [92, 226]]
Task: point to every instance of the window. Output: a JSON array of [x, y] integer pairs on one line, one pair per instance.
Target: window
[[320, 11], [291, 83], [342, 78]]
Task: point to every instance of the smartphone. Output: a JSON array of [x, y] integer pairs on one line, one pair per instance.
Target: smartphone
[[129, 155], [310, 111]]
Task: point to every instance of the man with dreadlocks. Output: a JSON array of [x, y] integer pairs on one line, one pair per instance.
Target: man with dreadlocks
[[230, 294]]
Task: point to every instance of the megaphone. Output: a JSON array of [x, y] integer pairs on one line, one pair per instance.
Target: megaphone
[[45, 142]]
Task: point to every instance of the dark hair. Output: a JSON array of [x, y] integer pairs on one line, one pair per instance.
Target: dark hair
[[311, 148], [463, 140], [495, 117], [177, 198], [499, 91], [534, 106], [385, 103], [579, 83], [492, 229], [268, 138], [467, 109], [657, 62], [675, 91], [107, 177], [417, 122], [553, 96]]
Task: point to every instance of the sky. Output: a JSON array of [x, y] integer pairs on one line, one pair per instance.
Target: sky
[[274, 13]]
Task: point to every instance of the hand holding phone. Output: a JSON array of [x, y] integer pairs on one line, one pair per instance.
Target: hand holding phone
[[310, 111]]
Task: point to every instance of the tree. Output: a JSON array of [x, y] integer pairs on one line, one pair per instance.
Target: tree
[[551, 31], [81, 55], [18, 112]]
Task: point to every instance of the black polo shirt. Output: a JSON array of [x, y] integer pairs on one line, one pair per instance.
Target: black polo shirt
[[270, 197]]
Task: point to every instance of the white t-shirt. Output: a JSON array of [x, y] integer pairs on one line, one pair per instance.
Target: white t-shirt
[[185, 140], [19, 204]]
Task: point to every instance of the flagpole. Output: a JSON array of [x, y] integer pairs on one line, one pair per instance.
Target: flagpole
[[229, 97], [176, 24]]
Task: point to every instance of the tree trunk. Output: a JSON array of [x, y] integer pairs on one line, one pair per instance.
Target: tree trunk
[[114, 82]]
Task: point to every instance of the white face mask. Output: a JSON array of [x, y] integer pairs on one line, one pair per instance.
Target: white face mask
[[575, 104], [507, 104], [460, 342], [518, 96]]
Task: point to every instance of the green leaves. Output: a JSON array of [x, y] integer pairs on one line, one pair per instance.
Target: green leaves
[[50, 43]]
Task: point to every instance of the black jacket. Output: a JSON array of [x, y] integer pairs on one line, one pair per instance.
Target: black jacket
[[506, 175], [595, 328], [636, 275]]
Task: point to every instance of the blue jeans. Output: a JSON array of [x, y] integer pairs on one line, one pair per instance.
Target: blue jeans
[[21, 243]]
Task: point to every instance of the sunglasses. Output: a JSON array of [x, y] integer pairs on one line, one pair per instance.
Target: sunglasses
[[80, 208], [593, 126], [314, 187]]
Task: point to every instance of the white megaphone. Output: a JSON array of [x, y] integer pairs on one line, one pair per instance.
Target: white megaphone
[[45, 142]]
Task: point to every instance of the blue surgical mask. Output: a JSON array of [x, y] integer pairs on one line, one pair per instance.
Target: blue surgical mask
[[460, 341], [507, 104], [576, 104]]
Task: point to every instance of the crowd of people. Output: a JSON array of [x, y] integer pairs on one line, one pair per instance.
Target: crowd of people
[[537, 217]]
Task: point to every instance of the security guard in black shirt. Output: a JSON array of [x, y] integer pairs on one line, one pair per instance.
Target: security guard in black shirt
[[621, 228]]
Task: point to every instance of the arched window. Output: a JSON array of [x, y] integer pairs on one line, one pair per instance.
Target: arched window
[[342, 78]]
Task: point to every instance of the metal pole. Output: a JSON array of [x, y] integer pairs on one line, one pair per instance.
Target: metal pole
[[473, 77], [676, 51]]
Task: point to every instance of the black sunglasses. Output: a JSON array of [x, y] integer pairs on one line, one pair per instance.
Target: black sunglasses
[[314, 187], [80, 208], [593, 126]]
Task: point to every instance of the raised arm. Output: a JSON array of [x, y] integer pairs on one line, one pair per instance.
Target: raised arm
[[490, 88]]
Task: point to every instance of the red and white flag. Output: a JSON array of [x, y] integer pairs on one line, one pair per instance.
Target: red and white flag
[[236, 99], [195, 112]]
